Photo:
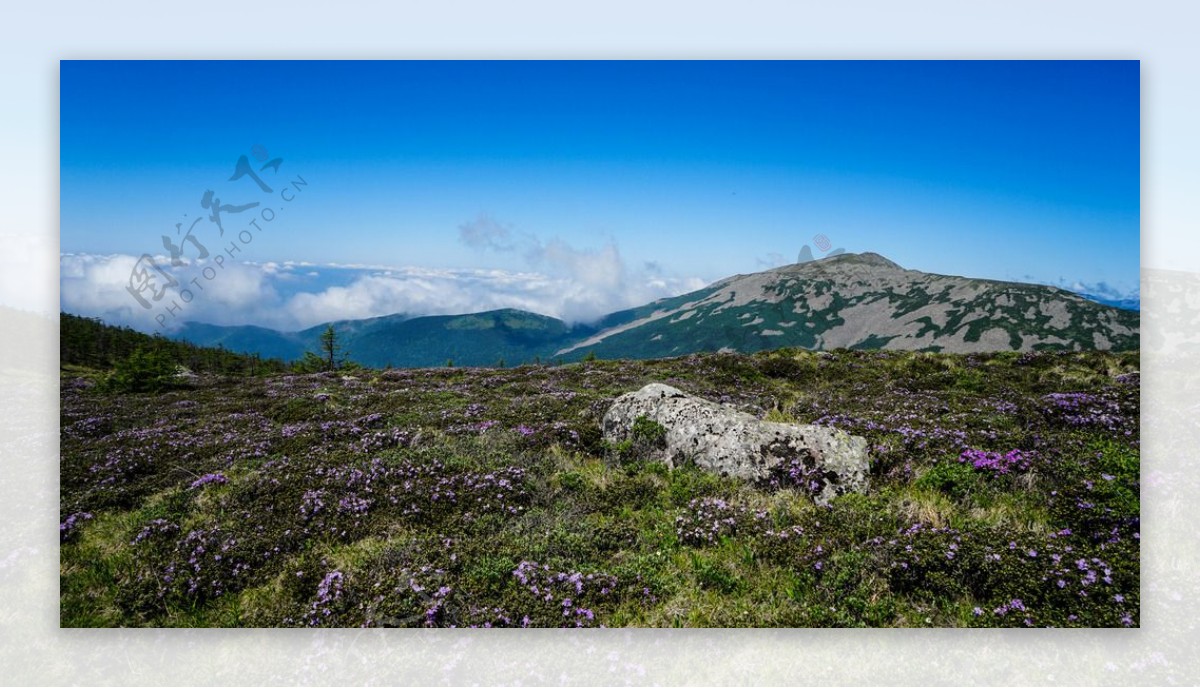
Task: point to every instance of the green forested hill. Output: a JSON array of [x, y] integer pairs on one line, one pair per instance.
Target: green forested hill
[[90, 343]]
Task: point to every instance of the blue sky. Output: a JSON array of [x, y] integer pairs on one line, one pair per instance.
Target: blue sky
[[616, 181]]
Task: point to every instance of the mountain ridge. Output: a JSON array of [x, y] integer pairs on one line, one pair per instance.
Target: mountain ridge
[[846, 301]]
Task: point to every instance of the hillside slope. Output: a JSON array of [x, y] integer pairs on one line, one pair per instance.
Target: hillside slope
[[854, 301], [864, 301]]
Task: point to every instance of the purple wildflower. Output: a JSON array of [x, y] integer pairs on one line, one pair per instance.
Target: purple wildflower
[[209, 478]]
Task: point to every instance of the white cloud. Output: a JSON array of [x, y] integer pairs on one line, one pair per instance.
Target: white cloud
[[1102, 289], [95, 286], [421, 291], [225, 293], [485, 232], [578, 284], [575, 285], [773, 260]]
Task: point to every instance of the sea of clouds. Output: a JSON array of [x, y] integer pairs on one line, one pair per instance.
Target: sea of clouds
[[576, 285]]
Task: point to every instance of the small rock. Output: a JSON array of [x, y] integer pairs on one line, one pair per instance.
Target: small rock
[[732, 443]]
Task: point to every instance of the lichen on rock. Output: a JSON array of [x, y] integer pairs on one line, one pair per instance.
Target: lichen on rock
[[732, 443]]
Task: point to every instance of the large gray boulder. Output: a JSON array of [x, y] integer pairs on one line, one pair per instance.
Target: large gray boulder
[[732, 443]]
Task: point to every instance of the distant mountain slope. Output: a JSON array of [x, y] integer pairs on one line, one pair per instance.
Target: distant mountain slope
[[480, 339], [287, 346], [862, 301], [1129, 303], [508, 335]]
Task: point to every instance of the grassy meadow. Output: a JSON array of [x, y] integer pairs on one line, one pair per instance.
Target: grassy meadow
[[1004, 491]]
